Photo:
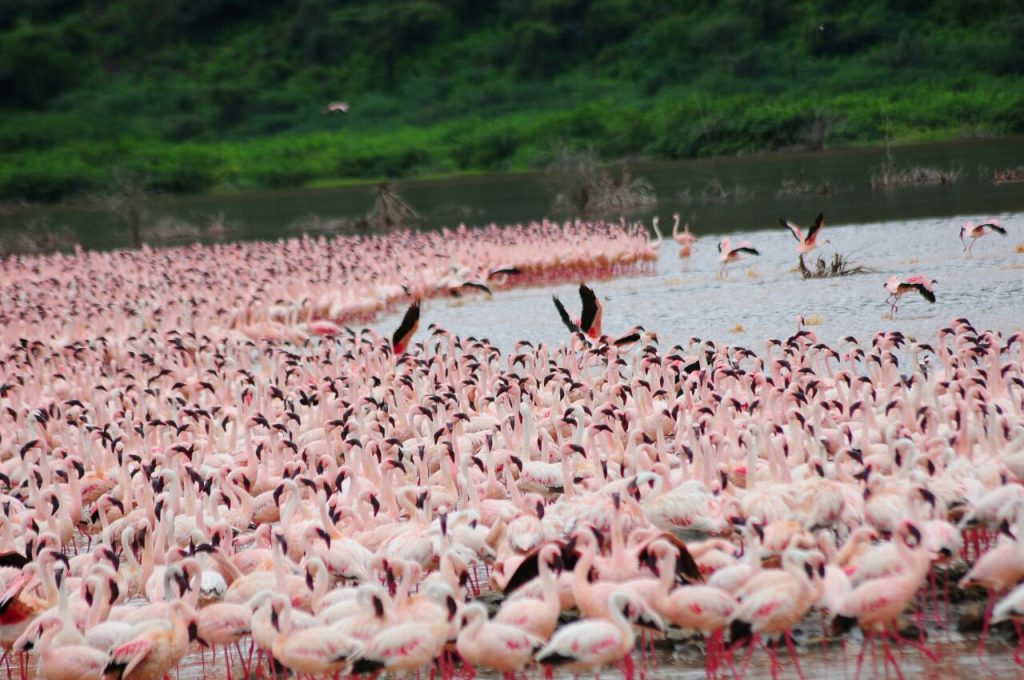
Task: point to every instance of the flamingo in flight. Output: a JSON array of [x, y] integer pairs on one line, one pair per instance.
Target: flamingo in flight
[[916, 283], [731, 253], [589, 322], [977, 231], [337, 107], [806, 242], [406, 329]]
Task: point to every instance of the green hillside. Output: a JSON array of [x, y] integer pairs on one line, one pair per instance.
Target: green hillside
[[193, 95]]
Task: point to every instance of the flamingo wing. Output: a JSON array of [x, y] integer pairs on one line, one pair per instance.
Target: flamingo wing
[[925, 292], [819, 222], [993, 227], [591, 307], [473, 284], [510, 271], [11, 593], [410, 322], [745, 250], [627, 339], [125, 658], [793, 229], [566, 319]]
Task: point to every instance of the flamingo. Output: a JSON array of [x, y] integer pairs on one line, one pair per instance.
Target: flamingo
[[589, 322], [734, 253], [874, 605], [993, 226], [313, 650], [805, 243], [499, 646], [917, 283], [67, 662], [684, 238], [593, 643]]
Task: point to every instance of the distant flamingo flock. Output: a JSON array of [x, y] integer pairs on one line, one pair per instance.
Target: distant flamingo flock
[[200, 456]]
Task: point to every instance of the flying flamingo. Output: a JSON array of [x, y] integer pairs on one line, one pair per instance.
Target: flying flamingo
[[731, 253], [898, 289], [805, 244], [337, 107], [403, 334], [977, 231], [589, 322]]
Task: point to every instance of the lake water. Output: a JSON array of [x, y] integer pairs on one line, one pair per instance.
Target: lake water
[[714, 195], [763, 296]]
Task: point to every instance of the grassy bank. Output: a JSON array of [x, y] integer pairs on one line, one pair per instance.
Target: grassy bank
[[214, 94]]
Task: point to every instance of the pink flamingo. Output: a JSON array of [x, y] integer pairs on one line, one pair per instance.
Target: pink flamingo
[[67, 662], [499, 646], [979, 230], [897, 289], [874, 605], [684, 238], [733, 253], [805, 244], [593, 643], [776, 601]]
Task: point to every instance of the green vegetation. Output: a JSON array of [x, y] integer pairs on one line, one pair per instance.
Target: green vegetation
[[195, 95]]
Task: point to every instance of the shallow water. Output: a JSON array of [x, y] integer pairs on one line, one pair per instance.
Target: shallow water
[[763, 296], [751, 184]]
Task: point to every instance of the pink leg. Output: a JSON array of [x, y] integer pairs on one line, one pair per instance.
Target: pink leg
[[860, 657], [792, 654], [628, 666], [889, 658]]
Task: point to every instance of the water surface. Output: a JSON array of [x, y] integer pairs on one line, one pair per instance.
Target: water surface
[[752, 186]]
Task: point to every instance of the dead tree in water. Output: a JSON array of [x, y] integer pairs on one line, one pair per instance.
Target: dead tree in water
[[389, 211]]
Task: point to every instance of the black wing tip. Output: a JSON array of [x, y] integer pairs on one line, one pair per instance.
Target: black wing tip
[[739, 632], [842, 624], [409, 321], [555, 659], [564, 315], [366, 666], [687, 567], [527, 570]]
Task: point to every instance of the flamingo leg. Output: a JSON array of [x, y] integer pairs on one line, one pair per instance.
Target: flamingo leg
[[793, 655], [890, 659], [860, 657]]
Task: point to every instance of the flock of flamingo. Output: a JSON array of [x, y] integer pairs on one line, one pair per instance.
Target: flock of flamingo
[[197, 452]]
